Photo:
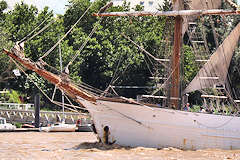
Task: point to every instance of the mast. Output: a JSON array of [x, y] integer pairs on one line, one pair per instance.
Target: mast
[[175, 64], [178, 12]]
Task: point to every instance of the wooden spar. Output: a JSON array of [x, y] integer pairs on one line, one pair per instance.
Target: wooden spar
[[175, 79], [162, 60], [133, 87], [171, 13], [159, 97], [68, 87]]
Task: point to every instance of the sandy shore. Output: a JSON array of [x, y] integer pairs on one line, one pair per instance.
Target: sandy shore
[[84, 146]]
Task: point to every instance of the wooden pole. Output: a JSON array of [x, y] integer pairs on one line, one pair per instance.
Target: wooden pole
[[37, 110], [175, 80]]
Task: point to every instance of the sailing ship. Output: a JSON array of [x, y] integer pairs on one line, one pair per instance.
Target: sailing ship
[[128, 122]]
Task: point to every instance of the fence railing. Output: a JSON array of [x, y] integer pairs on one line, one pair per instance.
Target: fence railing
[[17, 106]]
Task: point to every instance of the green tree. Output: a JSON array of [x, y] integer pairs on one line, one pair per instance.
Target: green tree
[[22, 20], [3, 6], [6, 65], [99, 60]]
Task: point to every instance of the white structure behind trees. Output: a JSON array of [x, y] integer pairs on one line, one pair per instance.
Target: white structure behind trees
[[149, 5]]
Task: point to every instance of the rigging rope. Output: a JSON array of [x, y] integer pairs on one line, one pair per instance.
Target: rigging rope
[[148, 67], [54, 91], [88, 38], [166, 79], [232, 100], [24, 39], [110, 86], [45, 27], [69, 101], [141, 48], [84, 44], [50, 50], [122, 73], [114, 75], [54, 102], [147, 55], [93, 31]]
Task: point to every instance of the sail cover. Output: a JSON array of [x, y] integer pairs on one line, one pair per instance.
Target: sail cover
[[204, 4], [215, 70]]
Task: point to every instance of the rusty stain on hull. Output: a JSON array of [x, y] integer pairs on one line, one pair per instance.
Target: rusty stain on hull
[[184, 141]]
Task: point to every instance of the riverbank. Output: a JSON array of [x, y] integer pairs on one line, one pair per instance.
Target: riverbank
[[84, 146]]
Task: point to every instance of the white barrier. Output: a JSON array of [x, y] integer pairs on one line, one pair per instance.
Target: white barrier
[[17, 106]]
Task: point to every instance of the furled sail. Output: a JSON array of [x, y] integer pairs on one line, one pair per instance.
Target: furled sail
[[205, 4], [215, 70]]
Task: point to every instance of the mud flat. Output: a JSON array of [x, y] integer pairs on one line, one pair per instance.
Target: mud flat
[[84, 146]]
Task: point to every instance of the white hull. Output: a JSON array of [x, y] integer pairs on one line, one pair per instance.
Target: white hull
[[61, 127], [136, 125]]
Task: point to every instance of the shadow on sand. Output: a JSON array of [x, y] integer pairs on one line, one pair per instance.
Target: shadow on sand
[[94, 146], [99, 146]]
